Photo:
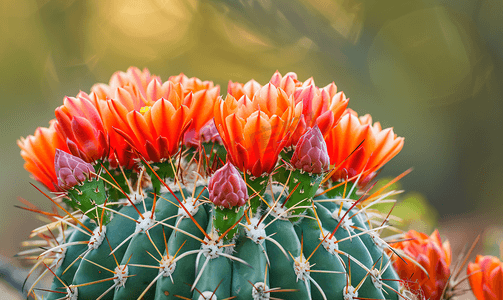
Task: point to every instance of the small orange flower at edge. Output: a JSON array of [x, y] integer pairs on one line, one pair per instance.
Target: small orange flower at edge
[[486, 277], [432, 255]]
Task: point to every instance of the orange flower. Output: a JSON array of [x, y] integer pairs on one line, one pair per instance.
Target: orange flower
[[255, 131], [38, 151], [200, 106], [377, 148], [289, 82], [130, 91], [192, 84], [205, 94], [238, 90], [80, 124], [387, 143], [432, 255], [155, 130], [322, 107], [137, 91], [133, 79], [486, 277]]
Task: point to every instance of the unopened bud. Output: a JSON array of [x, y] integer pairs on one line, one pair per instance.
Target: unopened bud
[[311, 153], [71, 170], [227, 188]]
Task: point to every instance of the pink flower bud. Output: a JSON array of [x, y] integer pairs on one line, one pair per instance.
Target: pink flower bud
[[311, 153], [227, 188], [71, 170]]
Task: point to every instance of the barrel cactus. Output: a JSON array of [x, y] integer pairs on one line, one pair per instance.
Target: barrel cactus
[[165, 190]]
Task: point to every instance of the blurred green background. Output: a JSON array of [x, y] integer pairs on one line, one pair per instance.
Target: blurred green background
[[432, 69]]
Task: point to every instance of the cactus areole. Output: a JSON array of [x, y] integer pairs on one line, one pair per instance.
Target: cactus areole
[[164, 190]]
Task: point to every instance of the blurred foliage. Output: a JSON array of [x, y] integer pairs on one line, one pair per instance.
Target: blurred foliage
[[430, 68], [492, 241]]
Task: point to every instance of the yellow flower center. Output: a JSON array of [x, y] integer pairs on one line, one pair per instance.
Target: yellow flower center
[[144, 109]]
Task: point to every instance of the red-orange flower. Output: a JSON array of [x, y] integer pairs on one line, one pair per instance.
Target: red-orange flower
[[323, 107], [156, 130], [80, 124], [205, 94], [137, 91], [238, 90], [377, 147], [135, 80], [130, 91], [289, 82], [255, 131], [192, 84], [433, 255], [486, 277], [38, 151]]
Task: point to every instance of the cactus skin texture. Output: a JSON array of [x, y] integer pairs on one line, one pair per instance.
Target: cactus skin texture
[[181, 230], [165, 260]]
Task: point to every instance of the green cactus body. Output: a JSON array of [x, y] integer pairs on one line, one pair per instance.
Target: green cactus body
[[306, 186], [163, 170], [115, 176], [354, 249], [255, 255], [88, 197], [92, 266], [213, 152], [332, 282], [67, 270], [256, 186], [225, 218], [373, 243], [215, 274], [282, 272], [183, 271], [261, 257], [143, 249]]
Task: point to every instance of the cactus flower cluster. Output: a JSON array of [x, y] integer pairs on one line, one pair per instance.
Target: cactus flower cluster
[[170, 190]]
